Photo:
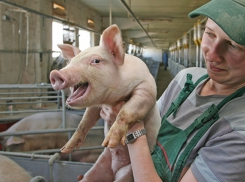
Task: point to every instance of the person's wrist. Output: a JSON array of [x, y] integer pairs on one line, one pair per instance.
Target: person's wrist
[[132, 137], [138, 141], [137, 126], [136, 131]]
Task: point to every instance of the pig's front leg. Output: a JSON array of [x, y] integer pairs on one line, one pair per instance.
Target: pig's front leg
[[91, 116], [135, 109]]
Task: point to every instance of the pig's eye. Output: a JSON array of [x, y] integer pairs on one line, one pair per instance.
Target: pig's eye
[[96, 61]]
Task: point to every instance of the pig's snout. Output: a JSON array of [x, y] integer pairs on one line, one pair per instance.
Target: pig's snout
[[57, 80]]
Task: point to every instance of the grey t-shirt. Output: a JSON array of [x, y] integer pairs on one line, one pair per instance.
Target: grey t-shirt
[[220, 153]]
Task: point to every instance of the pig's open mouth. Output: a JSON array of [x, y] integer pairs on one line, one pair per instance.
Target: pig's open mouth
[[78, 91]]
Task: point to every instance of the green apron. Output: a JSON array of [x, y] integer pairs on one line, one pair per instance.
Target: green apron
[[168, 160]]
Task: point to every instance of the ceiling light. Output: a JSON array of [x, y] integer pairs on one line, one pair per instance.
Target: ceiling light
[[55, 6], [90, 23], [59, 10]]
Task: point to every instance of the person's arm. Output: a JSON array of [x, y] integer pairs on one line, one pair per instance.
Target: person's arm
[[141, 161], [188, 176]]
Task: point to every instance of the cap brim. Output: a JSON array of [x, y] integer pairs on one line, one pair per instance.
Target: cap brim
[[228, 14]]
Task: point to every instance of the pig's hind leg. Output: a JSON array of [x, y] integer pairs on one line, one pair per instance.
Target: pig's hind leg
[[124, 174], [101, 170]]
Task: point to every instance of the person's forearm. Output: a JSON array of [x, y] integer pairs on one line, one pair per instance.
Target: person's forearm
[[141, 161]]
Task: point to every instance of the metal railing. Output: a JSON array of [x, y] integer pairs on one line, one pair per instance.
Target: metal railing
[[20, 100]]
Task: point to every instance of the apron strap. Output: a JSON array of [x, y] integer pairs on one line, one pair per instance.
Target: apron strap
[[212, 112], [185, 92], [203, 122]]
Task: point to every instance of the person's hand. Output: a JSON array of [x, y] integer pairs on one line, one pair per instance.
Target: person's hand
[[109, 113]]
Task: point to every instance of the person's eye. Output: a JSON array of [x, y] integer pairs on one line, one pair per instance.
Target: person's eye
[[211, 35], [234, 47]]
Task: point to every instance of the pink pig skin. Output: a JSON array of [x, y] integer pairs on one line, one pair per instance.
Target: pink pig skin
[[11, 171], [105, 75]]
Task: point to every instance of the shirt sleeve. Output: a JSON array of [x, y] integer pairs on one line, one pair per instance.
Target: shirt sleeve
[[221, 159]]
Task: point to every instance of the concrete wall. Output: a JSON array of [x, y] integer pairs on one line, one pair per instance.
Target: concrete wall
[[15, 65]]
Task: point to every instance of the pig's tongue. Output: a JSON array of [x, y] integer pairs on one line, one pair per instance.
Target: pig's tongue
[[77, 93]]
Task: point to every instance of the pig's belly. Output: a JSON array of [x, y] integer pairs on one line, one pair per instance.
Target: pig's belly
[[120, 157]]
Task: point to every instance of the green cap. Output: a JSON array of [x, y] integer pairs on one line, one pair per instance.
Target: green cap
[[228, 14]]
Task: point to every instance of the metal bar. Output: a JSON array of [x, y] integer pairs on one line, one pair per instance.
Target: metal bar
[[45, 131], [110, 17], [15, 103], [58, 150], [25, 155], [23, 93], [29, 51], [63, 109], [128, 8], [51, 162], [25, 86], [30, 111], [58, 100], [38, 97]]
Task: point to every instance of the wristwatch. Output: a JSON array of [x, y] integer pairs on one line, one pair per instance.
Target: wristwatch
[[131, 137]]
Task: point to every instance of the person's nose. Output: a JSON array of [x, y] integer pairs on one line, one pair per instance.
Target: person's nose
[[215, 51]]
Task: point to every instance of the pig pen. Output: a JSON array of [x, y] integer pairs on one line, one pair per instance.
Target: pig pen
[[47, 168], [20, 100]]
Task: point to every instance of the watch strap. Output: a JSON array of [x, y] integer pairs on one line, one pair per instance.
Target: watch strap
[[131, 137]]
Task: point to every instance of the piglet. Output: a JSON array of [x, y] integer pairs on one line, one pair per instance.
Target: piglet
[[104, 76]]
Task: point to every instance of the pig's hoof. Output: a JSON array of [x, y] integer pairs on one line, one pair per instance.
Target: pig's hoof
[[105, 143], [66, 150], [110, 144]]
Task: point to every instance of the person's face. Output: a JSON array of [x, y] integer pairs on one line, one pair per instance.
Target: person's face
[[225, 59]]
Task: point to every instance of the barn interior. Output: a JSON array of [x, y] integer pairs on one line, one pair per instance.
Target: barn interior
[[29, 33]]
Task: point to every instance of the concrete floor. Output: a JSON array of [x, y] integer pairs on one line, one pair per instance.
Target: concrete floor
[[164, 77]]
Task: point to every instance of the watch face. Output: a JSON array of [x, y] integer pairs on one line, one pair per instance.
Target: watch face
[[130, 137]]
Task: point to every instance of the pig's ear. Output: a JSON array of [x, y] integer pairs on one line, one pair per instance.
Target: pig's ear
[[111, 39], [14, 140], [68, 51]]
